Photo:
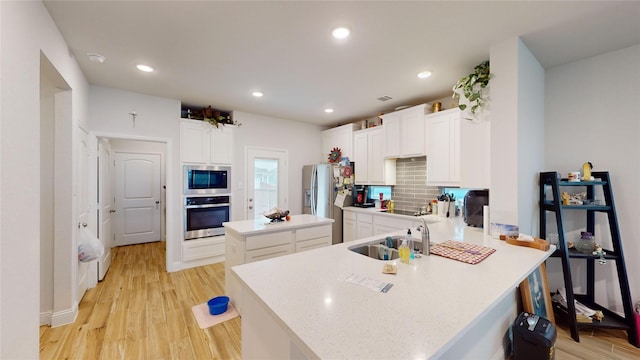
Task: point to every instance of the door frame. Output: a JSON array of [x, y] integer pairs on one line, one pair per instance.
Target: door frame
[[170, 191], [283, 177]]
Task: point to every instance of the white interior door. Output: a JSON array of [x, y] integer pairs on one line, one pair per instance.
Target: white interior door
[[137, 201], [105, 205], [267, 180], [83, 205]]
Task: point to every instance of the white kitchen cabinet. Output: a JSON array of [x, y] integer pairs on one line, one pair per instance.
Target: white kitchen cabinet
[[443, 159], [405, 132], [348, 226], [203, 251], [371, 166], [203, 143], [194, 141], [364, 225], [340, 137], [383, 224], [458, 151], [250, 241]]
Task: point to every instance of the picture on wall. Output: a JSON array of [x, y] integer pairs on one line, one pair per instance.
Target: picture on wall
[[536, 298]]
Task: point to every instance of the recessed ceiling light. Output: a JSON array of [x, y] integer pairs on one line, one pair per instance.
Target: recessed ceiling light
[[96, 57], [341, 32], [328, 111], [257, 94], [145, 68], [424, 74]]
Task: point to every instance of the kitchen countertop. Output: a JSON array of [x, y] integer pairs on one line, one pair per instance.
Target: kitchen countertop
[[263, 225], [434, 300]]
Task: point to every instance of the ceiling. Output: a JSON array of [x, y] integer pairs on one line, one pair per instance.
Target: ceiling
[[216, 53]]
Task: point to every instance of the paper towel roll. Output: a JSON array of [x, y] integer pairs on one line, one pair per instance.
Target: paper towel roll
[[485, 220]]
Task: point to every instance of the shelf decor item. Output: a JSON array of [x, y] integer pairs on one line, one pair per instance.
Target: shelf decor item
[[334, 155], [471, 90]]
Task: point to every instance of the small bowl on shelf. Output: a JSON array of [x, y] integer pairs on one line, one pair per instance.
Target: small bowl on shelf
[[586, 243]]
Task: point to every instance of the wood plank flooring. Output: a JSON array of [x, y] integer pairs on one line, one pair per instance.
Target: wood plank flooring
[[142, 312]]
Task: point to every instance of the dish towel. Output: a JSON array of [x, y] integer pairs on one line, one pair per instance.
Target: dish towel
[[465, 252], [205, 320]]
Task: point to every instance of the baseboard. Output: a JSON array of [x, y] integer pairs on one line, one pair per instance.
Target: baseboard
[[176, 266], [45, 318], [64, 317]]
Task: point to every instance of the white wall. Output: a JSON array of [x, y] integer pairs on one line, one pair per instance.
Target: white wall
[[300, 139], [592, 115], [158, 118], [26, 30], [517, 127]]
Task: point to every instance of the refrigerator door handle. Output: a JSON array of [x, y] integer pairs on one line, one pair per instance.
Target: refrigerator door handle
[[314, 189]]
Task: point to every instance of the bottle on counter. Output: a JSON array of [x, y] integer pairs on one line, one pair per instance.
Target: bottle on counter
[[410, 245], [404, 252]]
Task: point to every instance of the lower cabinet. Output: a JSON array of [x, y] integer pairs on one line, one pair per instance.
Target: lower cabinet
[[203, 251], [348, 226], [364, 225], [244, 249], [358, 225]]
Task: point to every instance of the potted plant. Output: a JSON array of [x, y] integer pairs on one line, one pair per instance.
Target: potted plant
[[471, 89]]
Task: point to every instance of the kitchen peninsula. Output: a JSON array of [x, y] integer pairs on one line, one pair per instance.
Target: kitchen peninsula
[[299, 306], [259, 239]]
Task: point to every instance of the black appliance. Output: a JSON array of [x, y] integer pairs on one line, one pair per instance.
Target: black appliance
[[204, 215], [207, 180], [360, 197], [474, 200], [534, 338]]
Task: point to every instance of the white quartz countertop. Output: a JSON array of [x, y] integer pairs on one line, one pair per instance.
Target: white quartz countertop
[[433, 301], [263, 225]]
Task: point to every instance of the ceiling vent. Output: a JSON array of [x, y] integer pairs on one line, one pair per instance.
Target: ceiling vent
[[384, 98]]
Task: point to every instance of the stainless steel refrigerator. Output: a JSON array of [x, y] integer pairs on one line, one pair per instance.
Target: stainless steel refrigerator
[[320, 188]]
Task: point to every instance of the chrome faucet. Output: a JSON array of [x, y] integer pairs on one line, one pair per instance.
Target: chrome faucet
[[424, 230]]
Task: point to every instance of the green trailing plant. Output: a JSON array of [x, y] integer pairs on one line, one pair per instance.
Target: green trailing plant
[[471, 87]]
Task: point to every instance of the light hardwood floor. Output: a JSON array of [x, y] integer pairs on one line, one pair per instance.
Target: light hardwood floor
[[142, 312]]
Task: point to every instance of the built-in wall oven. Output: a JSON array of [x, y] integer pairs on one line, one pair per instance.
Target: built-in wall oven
[[207, 179], [204, 215]]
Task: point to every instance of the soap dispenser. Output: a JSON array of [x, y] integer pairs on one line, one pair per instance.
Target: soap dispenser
[[404, 252], [410, 244]]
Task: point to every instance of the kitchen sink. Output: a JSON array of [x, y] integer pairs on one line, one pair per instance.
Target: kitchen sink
[[371, 249]]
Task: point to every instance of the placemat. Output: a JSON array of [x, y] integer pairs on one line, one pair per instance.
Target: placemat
[[465, 252], [205, 320]]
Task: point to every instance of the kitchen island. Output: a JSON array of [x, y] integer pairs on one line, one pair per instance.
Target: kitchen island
[[259, 239], [299, 306]]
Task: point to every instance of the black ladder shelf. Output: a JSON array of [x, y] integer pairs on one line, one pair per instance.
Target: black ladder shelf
[[552, 203]]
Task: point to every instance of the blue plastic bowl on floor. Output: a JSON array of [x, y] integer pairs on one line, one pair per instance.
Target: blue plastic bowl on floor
[[218, 305]]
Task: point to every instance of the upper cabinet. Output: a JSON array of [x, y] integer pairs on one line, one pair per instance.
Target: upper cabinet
[[458, 151], [443, 159], [340, 137], [203, 143], [405, 132], [371, 167]]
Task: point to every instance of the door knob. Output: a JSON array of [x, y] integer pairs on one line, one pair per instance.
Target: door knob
[[157, 202], [82, 224], [111, 211], [250, 207]]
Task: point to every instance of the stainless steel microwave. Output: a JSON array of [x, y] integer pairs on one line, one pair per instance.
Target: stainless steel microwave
[[207, 180]]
